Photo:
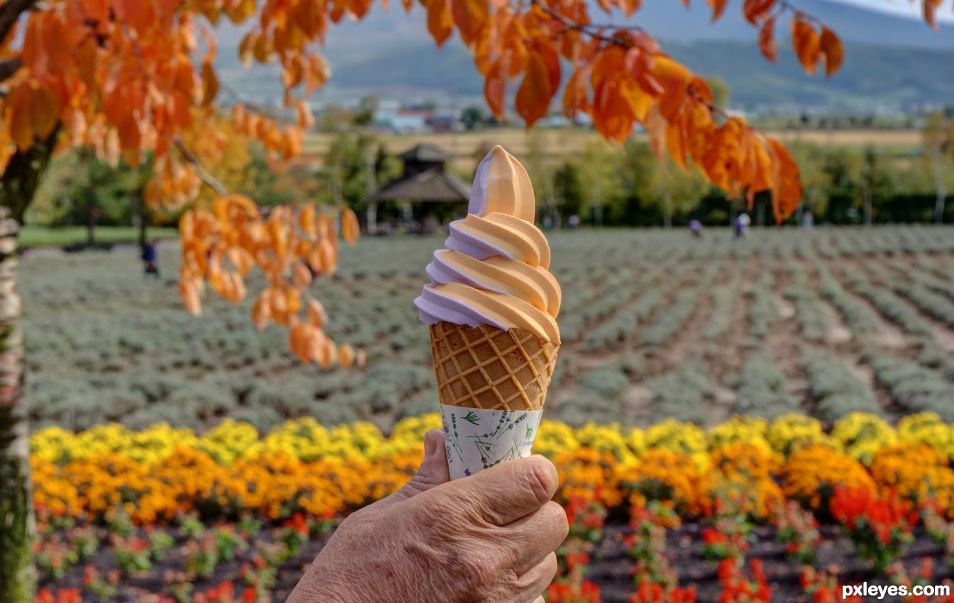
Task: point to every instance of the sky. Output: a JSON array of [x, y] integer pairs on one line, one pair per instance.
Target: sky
[[903, 8]]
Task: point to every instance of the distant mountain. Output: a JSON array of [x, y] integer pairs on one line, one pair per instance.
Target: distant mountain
[[872, 77], [672, 20], [890, 63]]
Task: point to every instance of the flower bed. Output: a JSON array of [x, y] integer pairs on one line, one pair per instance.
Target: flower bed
[[123, 513]]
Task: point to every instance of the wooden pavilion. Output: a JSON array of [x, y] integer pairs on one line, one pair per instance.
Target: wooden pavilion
[[424, 181]]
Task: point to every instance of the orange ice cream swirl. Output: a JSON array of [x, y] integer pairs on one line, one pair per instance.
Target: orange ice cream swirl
[[495, 269]]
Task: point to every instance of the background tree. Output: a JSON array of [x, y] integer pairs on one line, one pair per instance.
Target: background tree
[[720, 91], [367, 108], [599, 169], [353, 164], [568, 190], [875, 183], [77, 179], [675, 191], [473, 117], [840, 173], [938, 141]]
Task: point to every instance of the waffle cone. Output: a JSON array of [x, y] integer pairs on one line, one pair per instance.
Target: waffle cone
[[490, 368]]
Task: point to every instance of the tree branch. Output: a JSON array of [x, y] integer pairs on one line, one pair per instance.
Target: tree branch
[[10, 12], [9, 66], [210, 180]]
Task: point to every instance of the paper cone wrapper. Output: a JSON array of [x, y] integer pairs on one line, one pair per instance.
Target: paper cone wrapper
[[492, 385]]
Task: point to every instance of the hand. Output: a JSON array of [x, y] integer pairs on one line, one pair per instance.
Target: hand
[[490, 537]]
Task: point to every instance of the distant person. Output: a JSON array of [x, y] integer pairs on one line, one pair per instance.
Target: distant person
[[695, 227], [808, 220], [742, 225], [573, 221], [150, 258]]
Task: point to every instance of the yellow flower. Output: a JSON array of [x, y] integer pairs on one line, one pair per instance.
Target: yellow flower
[[928, 428], [861, 435], [792, 431], [684, 438], [606, 438], [555, 438]]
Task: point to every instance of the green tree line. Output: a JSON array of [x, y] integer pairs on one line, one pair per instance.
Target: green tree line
[[601, 185]]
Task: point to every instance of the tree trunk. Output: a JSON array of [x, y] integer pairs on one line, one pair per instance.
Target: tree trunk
[[941, 187], [372, 218], [868, 208], [139, 218], [667, 211], [143, 219], [90, 222], [16, 568], [17, 575]]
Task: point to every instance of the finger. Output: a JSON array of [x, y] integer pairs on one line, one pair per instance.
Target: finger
[[530, 539], [506, 492], [532, 584], [431, 473]]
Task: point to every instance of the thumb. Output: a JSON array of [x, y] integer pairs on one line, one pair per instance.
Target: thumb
[[432, 472]]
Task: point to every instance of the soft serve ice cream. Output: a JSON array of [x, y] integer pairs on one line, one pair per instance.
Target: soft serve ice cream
[[495, 269], [491, 306]]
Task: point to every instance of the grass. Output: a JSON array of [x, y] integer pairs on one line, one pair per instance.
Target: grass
[[40, 236], [105, 343]]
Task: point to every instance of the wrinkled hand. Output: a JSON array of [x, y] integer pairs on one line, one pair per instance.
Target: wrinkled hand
[[490, 537]]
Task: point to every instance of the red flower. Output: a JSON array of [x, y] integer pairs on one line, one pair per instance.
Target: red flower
[[298, 523], [713, 536]]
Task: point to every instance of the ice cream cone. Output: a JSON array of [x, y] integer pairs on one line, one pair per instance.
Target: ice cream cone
[[491, 307], [491, 369], [492, 385]]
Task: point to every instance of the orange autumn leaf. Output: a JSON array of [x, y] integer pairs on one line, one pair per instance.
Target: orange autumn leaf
[[210, 84], [787, 189], [767, 43], [328, 354], [756, 10], [301, 276], [439, 22], [316, 313], [222, 244], [306, 219], [299, 340], [495, 88], [19, 107], [190, 297], [261, 312], [533, 96], [806, 42], [350, 229], [718, 7], [304, 116], [469, 16], [832, 51], [575, 94], [929, 12], [345, 355]]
